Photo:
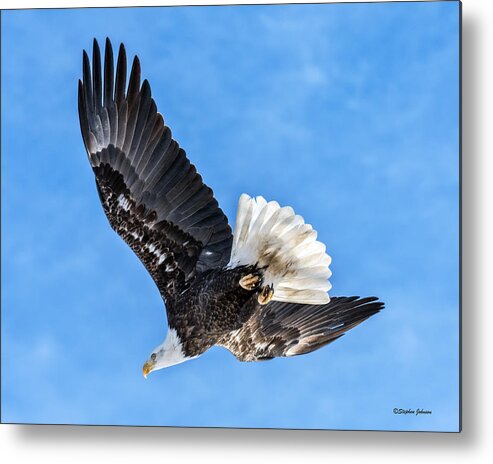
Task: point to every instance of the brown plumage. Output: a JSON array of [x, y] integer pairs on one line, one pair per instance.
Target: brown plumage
[[156, 201]]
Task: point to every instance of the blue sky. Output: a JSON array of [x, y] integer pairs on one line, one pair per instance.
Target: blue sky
[[347, 112]]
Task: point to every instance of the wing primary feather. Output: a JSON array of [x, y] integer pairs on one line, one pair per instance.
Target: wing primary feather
[[88, 98], [96, 76], [97, 130], [134, 82], [84, 125], [122, 125], [113, 117], [145, 103], [147, 132], [159, 144], [132, 113], [154, 138], [121, 76], [86, 76], [108, 73], [105, 122]]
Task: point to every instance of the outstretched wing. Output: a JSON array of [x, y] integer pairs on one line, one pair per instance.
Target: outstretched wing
[[151, 193], [287, 329]]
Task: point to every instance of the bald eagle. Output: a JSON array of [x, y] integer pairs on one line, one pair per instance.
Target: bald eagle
[[261, 293]]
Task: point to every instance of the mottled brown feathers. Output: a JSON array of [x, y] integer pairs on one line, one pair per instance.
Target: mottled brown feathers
[[289, 329]]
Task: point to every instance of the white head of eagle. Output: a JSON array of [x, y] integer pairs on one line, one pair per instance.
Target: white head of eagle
[[261, 293], [167, 354]]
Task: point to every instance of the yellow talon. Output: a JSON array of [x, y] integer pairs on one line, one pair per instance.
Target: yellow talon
[[266, 295], [250, 281]]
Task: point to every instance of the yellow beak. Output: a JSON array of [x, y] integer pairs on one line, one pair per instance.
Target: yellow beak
[[147, 368]]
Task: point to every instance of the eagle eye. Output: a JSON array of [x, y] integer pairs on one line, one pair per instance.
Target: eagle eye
[[153, 356]]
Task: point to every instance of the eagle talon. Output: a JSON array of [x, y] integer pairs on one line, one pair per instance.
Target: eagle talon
[[266, 294], [250, 281]]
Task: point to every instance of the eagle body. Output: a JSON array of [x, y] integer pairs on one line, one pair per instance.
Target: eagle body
[[210, 308], [260, 293]]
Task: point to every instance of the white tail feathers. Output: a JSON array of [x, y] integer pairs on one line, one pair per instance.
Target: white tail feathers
[[279, 242]]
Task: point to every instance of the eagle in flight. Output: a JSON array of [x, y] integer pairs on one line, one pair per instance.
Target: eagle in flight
[[261, 293]]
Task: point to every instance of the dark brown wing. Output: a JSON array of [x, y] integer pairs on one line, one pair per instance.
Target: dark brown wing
[[151, 193], [287, 329]]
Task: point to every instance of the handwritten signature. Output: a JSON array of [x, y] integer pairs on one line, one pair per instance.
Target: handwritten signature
[[414, 412]]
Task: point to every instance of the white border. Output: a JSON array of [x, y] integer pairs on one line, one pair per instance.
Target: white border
[[109, 3]]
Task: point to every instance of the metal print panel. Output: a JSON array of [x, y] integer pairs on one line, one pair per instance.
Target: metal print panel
[[236, 216]]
